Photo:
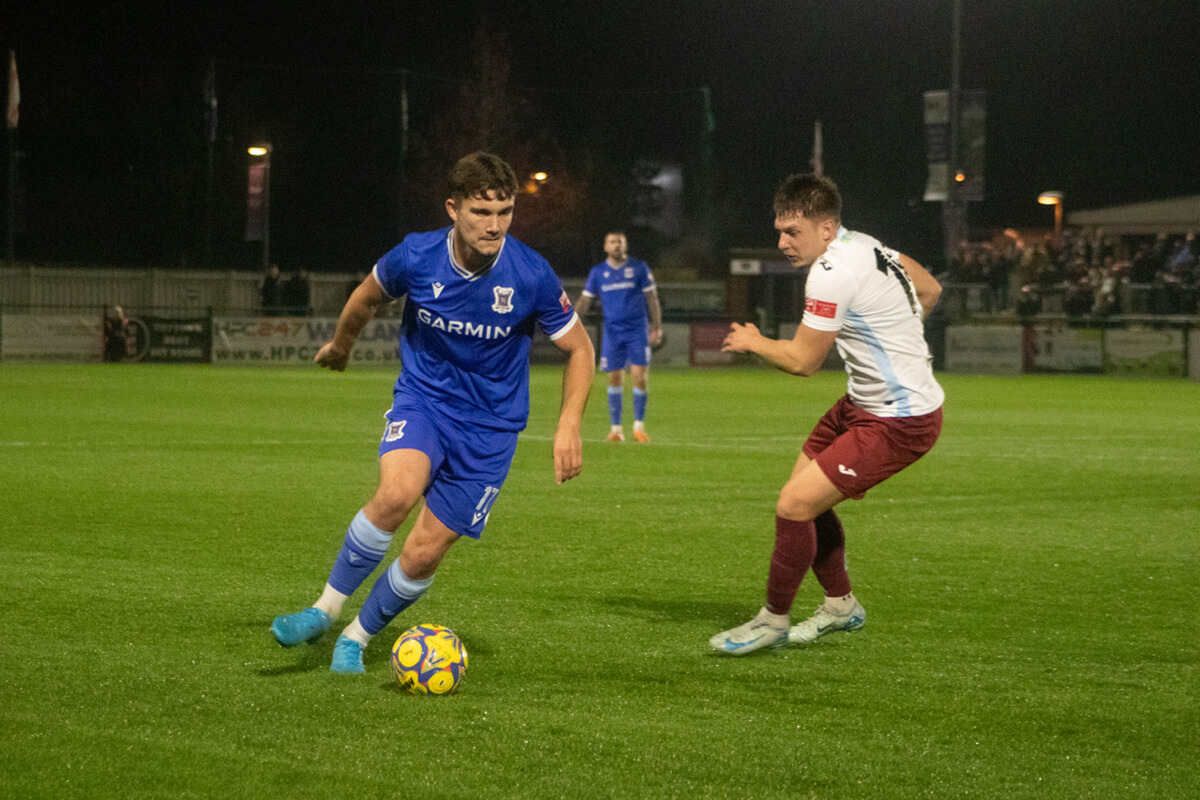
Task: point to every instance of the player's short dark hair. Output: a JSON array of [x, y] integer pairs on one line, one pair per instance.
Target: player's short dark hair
[[615, 232], [480, 173], [806, 194]]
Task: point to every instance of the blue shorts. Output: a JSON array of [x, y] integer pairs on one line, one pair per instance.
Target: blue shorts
[[467, 464], [620, 350]]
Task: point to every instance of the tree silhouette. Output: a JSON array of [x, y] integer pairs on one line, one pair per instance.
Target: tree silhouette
[[485, 114]]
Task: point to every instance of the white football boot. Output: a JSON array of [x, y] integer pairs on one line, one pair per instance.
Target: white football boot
[[824, 621], [765, 630]]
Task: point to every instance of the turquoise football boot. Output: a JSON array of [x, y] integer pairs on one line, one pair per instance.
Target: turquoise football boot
[[347, 657], [303, 626]]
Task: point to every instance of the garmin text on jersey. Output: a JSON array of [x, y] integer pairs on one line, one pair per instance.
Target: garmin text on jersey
[[477, 330]]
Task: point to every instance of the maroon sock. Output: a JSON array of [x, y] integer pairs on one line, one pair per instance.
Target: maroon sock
[[795, 546], [830, 563]]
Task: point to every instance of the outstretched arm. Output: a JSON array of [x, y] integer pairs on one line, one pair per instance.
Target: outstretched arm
[[355, 315], [577, 384], [802, 355]]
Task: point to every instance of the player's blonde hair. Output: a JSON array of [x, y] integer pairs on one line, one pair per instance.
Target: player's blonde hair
[[480, 173], [812, 197]]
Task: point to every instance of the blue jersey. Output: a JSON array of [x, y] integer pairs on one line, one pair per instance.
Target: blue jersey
[[465, 339], [622, 292]]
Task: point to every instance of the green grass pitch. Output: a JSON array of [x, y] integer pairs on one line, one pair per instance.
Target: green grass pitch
[[1032, 590]]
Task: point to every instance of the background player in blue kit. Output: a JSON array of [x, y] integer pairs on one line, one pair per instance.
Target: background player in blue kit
[[474, 296], [632, 324]]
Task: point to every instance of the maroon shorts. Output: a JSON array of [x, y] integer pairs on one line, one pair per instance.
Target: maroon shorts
[[857, 450]]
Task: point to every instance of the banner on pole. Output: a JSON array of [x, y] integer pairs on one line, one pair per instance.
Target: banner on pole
[[972, 141], [14, 91]]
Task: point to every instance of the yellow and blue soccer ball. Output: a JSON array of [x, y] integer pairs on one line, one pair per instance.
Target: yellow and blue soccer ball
[[429, 659]]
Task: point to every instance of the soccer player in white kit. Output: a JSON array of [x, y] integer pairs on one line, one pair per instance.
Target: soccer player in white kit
[[870, 301]]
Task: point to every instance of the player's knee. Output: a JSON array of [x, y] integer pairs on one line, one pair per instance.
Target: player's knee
[[791, 506], [391, 505], [419, 560]]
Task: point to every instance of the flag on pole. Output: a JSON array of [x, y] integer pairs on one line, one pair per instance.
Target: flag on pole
[[818, 164], [14, 90], [210, 100]]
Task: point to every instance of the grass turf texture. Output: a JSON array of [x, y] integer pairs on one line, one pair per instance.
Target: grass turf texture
[[1031, 591]]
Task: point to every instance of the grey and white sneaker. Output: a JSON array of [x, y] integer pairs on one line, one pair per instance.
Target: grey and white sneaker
[[824, 621], [762, 631]]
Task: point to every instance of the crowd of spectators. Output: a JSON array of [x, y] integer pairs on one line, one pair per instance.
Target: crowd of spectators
[[1087, 273], [285, 298]]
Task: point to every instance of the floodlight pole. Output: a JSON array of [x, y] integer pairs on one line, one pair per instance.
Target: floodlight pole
[[267, 210], [14, 99], [11, 222], [210, 137], [402, 172], [952, 215], [706, 154], [263, 151]]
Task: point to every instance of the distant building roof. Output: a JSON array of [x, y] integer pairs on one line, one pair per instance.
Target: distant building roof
[[1176, 215]]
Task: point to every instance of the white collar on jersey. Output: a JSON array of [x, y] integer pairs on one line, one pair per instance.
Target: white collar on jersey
[[463, 271]]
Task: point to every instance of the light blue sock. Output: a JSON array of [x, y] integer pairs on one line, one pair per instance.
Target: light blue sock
[[392, 593], [639, 404], [362, 550], [614, 404]]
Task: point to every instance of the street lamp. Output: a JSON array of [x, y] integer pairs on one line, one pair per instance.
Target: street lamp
[[261, 185], [1054, 199], [535, 182]]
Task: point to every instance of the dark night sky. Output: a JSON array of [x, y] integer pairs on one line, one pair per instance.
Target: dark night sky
[[1100, 100]]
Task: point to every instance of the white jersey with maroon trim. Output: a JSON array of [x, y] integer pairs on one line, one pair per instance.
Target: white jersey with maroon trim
[[859, 289]]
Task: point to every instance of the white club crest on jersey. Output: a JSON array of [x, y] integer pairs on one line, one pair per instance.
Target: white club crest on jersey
[[437, 289], [503, 304]]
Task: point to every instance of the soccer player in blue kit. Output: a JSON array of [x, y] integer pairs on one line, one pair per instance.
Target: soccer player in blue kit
[[632, 323], [474, 296]]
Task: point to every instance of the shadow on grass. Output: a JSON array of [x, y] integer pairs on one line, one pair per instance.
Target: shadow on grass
[[305, 657], [309, 665], [671, 610], [314, 658]]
